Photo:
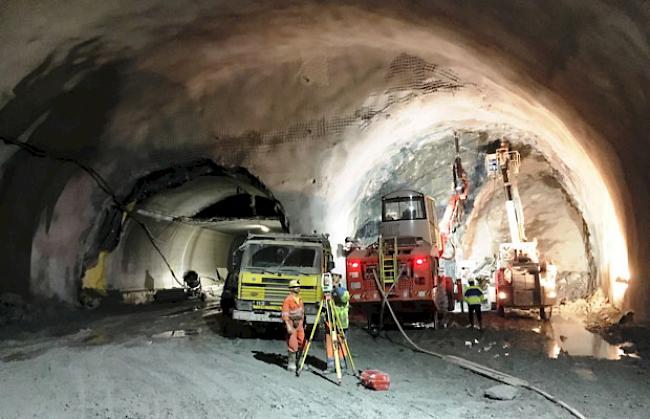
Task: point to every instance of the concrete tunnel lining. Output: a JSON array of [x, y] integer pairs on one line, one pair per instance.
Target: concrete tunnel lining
[[213, 104], [168, 203]]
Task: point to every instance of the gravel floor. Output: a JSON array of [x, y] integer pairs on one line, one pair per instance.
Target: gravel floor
[[125, 363]]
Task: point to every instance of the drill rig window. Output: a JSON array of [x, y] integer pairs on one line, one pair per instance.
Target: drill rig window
[[409, 208]]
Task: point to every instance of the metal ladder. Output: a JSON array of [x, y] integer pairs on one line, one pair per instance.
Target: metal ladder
[[387, 261]]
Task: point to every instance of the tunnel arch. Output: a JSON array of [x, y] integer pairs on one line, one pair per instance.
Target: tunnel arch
[[167, 213], [592, 196], [552, 217], [331, 66]]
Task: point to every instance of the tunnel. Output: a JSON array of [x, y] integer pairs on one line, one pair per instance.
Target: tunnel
[[142, 140]]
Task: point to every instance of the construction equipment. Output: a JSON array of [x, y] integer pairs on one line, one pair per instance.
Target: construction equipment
[[406, 257], [522, 278], [266, 264], [333, 324]]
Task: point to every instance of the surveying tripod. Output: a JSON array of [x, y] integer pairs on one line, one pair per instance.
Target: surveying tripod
[[333, 323]]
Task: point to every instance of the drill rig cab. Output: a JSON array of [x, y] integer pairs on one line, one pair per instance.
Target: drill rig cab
[[522, 278], [404, 262]]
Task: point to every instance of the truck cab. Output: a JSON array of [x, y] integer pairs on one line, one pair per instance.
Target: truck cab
[[268, 262]]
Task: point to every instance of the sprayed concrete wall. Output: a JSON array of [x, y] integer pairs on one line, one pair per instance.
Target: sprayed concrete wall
[[134, 265]]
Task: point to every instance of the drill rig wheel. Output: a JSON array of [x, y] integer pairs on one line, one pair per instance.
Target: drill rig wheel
[[374, 331]]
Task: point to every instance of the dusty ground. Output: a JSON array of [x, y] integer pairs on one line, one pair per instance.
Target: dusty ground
[[118, 362]]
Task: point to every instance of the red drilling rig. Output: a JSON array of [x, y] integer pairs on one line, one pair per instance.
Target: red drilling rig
[[405, 260]]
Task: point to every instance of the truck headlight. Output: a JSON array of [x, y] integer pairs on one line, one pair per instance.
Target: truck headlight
[[551, 294], [503, 295]]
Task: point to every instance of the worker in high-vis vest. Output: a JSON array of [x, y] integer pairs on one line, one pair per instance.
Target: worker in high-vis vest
[[341, 298], [473, 297], [293, 315]]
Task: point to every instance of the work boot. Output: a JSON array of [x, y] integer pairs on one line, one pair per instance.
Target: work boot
[[291, 362]]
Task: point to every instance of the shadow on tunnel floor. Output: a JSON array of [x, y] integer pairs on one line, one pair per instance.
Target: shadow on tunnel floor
[[281, 360], [227, 327]]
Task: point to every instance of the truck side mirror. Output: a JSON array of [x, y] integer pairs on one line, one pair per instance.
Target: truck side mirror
[[330, 265]]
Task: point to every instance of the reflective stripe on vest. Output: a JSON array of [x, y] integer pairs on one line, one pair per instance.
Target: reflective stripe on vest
[[473, 295]]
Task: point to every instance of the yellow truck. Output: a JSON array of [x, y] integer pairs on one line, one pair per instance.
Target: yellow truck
[[266, 264]]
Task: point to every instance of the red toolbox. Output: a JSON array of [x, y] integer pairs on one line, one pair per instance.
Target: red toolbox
[[375, 380]]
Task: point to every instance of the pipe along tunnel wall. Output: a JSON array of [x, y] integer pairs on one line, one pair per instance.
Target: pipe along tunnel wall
[[313, 99]]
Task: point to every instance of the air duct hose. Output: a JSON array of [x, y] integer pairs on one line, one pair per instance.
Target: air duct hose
[[475, 367]]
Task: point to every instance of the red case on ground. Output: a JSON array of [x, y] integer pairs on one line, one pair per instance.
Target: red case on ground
[[375, 380]]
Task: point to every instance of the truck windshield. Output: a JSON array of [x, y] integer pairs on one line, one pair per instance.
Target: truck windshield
[[407, 208], [277, 257]]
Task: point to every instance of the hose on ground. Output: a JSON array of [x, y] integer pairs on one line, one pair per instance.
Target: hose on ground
[[473, 366]]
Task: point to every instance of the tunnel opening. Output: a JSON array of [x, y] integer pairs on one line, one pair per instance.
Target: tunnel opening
[[552, 216], [183, 218], [241, 205]]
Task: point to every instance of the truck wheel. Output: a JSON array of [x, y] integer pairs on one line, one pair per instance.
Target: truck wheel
[[501, 311], [231, 328]]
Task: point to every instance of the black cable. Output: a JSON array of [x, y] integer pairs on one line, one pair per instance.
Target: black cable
[[473, 366], [102, 184]]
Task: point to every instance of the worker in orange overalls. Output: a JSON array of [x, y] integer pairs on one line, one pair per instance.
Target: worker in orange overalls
[[293, 315]]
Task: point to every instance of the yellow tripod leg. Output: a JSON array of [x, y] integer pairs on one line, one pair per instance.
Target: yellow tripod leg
[[335, 343], [311, 338], [344, 341]]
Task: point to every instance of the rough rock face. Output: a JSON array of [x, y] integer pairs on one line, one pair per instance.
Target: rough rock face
[[550, 218], [550, 215]]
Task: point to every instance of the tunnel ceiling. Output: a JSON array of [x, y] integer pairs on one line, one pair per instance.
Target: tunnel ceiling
[[312, 98]]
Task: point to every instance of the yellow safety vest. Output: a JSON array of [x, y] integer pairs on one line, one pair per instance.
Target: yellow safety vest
[[473, 295]]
